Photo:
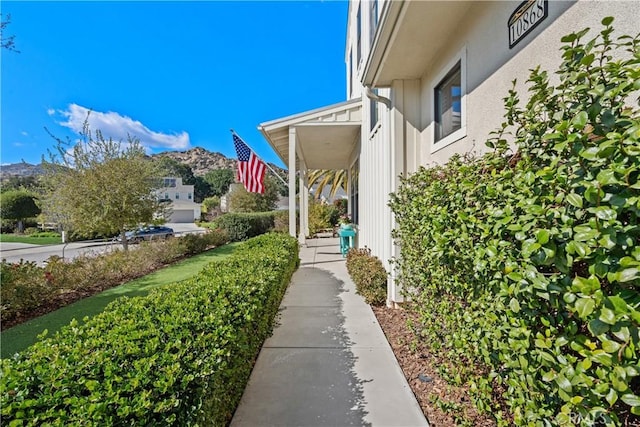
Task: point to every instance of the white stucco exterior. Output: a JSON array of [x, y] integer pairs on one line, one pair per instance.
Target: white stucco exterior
[[407, 51]]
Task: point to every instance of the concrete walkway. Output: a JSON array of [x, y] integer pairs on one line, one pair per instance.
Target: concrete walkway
[[328, 362]]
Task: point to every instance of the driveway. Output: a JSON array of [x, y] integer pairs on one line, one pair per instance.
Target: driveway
[[185, 227]]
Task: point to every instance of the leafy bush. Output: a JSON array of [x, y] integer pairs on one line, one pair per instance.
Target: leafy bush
[[321, 216], [180, 356], [281, 221], [242, 226], [526, 267], [25, 286], [368, 274]]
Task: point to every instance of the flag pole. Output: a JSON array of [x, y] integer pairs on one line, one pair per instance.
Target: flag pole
[[254, 152]]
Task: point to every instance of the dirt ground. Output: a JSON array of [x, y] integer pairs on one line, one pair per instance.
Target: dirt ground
[[432, 392]]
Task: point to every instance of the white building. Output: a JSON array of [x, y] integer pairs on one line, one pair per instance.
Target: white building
[[425, 80], [182, 207]]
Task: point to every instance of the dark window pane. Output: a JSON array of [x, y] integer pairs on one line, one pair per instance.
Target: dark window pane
[[448, 107]]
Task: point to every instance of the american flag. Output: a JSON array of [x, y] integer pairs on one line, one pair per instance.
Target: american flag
[[250, 168]]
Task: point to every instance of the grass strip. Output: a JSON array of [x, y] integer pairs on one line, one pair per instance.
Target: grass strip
[[21, 336], [32, 240]]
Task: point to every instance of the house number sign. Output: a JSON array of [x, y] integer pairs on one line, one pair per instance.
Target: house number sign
[[525, 18]]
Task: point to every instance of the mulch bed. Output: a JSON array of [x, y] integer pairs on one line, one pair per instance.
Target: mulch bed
[[419, 367]]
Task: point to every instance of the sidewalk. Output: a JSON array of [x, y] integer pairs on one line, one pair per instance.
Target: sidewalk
[[328, 362]]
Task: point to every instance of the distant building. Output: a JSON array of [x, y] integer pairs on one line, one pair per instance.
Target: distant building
[[180, 196]]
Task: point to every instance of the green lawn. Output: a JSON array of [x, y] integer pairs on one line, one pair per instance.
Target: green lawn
[[20, 238], [22, 336]]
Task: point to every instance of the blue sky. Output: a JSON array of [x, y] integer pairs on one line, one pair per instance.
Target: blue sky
[[177, 75]]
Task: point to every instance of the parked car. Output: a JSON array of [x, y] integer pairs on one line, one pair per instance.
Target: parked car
[[151, 232]]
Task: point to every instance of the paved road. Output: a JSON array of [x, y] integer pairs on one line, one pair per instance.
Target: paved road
[[14, 252]]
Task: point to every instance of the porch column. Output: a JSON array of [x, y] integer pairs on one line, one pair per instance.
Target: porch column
[[292, 182], [304, 218], [305, 229], [349, 198]]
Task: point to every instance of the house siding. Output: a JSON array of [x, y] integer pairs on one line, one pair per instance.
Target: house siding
[[403, 140]]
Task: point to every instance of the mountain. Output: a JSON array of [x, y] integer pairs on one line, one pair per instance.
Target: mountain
[[202, 161], [198, 159], [20, 169]]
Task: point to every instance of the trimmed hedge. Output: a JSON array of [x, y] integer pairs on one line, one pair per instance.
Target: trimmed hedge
[[526, 267], [242, 226], [180, 356]]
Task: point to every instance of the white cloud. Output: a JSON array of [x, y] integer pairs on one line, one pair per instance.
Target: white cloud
[[23, 133], [113, 125], [51, 111]]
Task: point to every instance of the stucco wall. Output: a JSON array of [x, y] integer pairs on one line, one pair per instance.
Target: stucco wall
[[491, 66], [403, 141]]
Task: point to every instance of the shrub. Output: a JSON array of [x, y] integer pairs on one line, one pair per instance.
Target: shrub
[[180, 356], [281, 221], [23, 287], [526, 267], [242, 226], [368, 274], [321, 216], [26, 287]]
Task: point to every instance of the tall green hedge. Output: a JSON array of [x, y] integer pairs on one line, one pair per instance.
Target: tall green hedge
[[242, 226], [525, 265], [180, 356]]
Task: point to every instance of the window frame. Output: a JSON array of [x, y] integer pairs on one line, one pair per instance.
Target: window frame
[[460, 57]]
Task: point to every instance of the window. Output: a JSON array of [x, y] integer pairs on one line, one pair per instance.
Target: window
[[355, 168], [189, 196], [448, 104], [169, 182], [373, 111], [358, 35], [177, 196], [166, 196], [373, 20]]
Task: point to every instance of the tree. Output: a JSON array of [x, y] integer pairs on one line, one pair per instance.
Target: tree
[[7, 42], [18, 205], [211, 207], [101, 186], [201, 189], [28, 183], [240, 200], [219, 181]]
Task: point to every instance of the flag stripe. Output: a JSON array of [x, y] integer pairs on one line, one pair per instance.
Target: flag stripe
[[251, 169]]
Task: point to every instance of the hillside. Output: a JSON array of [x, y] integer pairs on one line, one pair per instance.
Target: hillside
[[20, 169], [198, 159]]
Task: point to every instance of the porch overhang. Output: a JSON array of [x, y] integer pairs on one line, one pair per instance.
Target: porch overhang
[[326, 137], [409, 36]]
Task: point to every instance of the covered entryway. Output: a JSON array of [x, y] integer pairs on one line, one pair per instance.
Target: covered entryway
[[326, 138]]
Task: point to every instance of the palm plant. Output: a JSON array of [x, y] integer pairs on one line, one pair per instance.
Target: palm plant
[[322, 178]]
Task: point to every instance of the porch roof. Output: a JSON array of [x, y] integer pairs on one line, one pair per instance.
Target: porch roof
[[325, 137]]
